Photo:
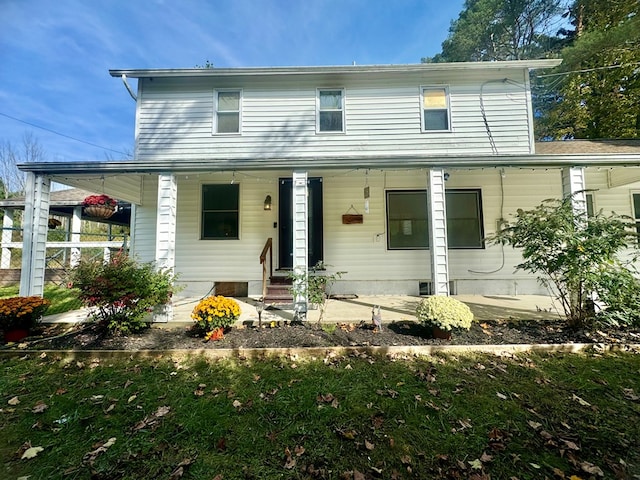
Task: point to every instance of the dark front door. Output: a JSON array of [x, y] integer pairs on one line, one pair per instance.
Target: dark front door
[[285, 221]]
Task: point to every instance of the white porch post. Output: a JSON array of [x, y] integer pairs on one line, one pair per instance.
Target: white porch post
[[166, 234], [34, 243], [573, 183], [7, 235], [300, 242], [76, 226], [437, 210]]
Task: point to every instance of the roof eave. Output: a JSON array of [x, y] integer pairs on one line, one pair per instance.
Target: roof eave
[[336, 69]]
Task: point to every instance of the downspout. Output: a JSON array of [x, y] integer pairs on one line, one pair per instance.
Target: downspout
[[128, 87]]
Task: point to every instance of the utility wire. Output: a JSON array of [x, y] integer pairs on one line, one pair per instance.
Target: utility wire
[[608, 67], [62, 134]]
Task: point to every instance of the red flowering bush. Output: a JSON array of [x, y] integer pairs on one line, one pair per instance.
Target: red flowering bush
[[122, 292], [99, 200], [21, 312]]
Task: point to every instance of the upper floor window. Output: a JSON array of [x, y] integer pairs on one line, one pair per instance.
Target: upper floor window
[[227, 111], [330, 110], [435, 109], [220, 212]]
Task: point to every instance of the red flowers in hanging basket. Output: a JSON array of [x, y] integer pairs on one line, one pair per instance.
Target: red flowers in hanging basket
[[99, 206], [99, 200]]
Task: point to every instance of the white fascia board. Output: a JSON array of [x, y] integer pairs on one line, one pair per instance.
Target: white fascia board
[[337, 69], [342, 162]]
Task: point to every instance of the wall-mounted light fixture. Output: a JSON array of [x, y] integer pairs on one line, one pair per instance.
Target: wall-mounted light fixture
[[267, 202], [446, 176]]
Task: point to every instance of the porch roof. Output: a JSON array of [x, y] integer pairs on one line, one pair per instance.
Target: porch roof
[[343, 162], [124, 180]]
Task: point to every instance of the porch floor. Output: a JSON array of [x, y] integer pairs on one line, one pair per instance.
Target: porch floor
[[354, 310]]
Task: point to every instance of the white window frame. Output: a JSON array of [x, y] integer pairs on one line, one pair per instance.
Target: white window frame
[[343, 102], [215, 110], [422, 107]]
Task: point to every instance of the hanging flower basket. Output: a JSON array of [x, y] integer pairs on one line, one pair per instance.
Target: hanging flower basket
[[99, 206]]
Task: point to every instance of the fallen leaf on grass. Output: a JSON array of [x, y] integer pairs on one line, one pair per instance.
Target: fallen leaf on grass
[[368, 445], [501, 396], [90, 457], [582, 402], [629, 394], [534, 425], [289, 461], [152, 420], [591, 469], [31, 452], [328, 398], [14, 401], [179, 470], [40, 407]]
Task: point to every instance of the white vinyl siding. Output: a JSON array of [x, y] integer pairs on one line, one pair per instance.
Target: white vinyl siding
[[228, 111], [278, 120]]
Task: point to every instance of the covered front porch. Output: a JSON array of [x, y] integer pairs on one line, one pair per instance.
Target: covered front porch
[[169, 218]]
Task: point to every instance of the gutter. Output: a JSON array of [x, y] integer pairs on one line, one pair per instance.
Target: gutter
[[338, 69], [349, 162]]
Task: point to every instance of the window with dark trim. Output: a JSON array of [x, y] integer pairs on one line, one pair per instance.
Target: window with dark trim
[[220, 212], [408, 219], [330, 115], [636, 212], [227, 111]]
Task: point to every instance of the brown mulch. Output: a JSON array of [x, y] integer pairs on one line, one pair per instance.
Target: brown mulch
[[285, 335]]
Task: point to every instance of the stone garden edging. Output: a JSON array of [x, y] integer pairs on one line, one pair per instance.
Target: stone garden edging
[[310, 352]]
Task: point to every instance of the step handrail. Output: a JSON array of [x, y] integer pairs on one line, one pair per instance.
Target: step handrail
[[268, 248]]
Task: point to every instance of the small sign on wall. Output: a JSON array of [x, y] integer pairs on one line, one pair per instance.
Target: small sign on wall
[[352, 218]]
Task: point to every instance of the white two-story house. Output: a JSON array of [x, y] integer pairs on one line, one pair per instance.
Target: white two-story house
[[394, 174]]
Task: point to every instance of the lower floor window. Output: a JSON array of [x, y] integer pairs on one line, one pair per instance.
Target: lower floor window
[[408, 219], [636, 212], [220, 212]]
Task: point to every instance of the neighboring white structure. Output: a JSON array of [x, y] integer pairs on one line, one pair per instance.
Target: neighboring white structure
[[426, 160]]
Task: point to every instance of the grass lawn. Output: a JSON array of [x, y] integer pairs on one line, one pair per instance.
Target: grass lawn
[[62, 299], [357, 417]]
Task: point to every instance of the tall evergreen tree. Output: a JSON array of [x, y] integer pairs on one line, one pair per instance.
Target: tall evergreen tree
[[501, 30], [596, 91]]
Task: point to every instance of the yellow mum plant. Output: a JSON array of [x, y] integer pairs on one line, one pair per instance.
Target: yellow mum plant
[[21, 312], [215, 312], [445, 313]]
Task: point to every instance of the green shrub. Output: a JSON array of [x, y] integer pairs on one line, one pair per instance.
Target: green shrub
[[575, 255], [122, 292], [445, 313]]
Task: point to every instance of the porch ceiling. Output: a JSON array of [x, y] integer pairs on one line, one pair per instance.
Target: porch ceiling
[[124, 186]]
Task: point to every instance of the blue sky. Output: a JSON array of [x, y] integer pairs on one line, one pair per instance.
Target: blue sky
[[55, 55]]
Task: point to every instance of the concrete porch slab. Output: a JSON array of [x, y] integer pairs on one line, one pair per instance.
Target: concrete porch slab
[[393, 308]]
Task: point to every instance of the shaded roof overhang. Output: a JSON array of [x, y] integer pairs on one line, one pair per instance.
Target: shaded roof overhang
[[336, 69], [343, 162]]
